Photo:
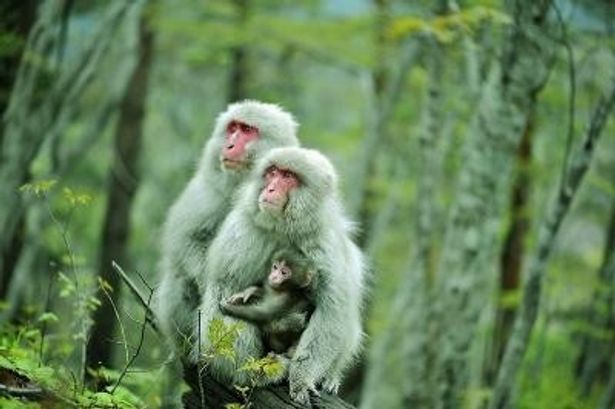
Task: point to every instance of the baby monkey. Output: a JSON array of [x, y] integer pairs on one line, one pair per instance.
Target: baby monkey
[[280, 307]]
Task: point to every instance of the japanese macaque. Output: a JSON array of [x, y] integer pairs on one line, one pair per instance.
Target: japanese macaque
[[280, 307], [290, 200], [242, 134]]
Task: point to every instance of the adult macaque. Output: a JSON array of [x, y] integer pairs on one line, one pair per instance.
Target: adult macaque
[[280, 307], [241, 135], [290, 200]]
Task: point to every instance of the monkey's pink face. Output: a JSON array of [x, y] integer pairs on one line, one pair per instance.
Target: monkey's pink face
[[280, 273], [238, 136], [278, 185]]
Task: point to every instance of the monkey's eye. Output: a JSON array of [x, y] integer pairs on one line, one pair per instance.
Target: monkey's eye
[[286, 174], [245, 128], [275, 266], [232, 126]]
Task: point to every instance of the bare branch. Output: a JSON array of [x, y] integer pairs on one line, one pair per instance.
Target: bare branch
[[149, 314]]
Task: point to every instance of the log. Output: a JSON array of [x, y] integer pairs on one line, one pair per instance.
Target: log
[[217, 395]]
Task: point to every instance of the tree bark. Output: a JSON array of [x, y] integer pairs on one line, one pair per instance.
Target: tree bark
[[217, 395], [513, 252], [596, 350], [411, 305], [18, 19], [123, 183], [608, 399], [43, 99], [471, 237], [238, 75], [377, 89], [575, 170]]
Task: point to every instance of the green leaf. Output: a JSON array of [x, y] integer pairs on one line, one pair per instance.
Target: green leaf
[[48, 317], [38, 188]]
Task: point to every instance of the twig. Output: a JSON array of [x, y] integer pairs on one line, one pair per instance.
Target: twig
[[102, 284], [200, 368], [139, 346], [149, 314]]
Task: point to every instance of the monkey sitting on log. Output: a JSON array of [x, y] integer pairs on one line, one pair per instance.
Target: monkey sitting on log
[[290, 199]]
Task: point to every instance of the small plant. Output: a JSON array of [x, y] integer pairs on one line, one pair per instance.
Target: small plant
[[222, 338]]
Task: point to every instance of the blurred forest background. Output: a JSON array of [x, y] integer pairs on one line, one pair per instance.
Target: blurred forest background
[[474, 146]]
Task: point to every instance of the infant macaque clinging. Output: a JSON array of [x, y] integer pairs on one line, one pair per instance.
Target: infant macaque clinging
[[280, 307]]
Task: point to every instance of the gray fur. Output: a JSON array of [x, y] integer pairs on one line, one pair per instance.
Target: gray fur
[[314, 222], [195, 217]]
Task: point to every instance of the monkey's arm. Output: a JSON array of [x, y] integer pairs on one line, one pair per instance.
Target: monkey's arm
[[332, 337], [267, 309]]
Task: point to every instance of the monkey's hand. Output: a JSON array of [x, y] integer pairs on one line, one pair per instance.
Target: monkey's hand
[[331, 385], [300, 390], [244, 296]]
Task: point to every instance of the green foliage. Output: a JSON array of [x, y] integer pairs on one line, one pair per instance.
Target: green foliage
[[18, 353], [39, 188], [10, 43], [268, 366], [548, 378], [222, 338], [447, 28]]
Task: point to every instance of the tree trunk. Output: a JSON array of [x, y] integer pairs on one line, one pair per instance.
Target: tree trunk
[[596, 350], [123, 183], [238, 75], [513, 252], [378, 86], [411, 305], [18, 142], [608, 399], [17, 19], [43, 100], [471, 238], [576, 167]]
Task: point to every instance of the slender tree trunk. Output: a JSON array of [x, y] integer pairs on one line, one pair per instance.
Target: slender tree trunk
[[17, 19], [575, 170], [123, 183], [471, 238], [43, 100], [513, 252], [378, 86], [411, 304], [238, 75], [18, 143], [608, 399], [596, 351]]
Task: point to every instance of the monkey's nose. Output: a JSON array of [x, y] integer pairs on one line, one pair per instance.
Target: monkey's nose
[[271, 190], [231, 146]]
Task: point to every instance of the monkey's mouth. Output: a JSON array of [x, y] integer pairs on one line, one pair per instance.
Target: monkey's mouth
[[271, 206], [233, 164]]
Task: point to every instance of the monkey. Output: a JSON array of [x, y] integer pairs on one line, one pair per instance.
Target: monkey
[[290, 199], [241, 134], [282, 308]]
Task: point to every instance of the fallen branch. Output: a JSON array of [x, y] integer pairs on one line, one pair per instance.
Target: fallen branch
[[32, 394]]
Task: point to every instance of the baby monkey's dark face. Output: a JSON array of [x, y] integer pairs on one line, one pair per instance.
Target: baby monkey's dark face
[[280, 275]]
